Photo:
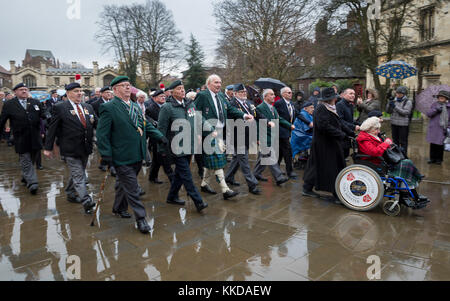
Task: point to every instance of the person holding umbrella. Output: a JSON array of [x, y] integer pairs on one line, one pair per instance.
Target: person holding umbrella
[[437, 127], [400, 109]]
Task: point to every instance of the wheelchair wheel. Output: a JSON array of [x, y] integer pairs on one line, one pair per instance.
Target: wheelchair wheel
[[359, 188], [390, 209]]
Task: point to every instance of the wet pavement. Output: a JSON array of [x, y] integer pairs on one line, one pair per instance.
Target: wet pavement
[[279, 235]]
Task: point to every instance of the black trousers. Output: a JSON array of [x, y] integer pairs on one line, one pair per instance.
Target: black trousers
[[286, 154], [200, 165], [183, 176], [436, 152], [400, 137], [127, 190], [157, 162]]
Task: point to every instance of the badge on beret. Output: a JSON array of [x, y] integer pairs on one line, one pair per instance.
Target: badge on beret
[[36, 107], [73, 112]]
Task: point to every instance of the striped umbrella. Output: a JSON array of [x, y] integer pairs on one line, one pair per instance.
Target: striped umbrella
[[396, 69]]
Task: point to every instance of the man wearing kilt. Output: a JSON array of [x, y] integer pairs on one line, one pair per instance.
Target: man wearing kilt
[[214, 107]]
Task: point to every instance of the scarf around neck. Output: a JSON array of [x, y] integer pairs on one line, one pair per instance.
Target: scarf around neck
[[443, 121], [330, 108]]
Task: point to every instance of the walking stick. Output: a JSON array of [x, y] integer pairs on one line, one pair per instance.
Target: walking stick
[[102, 190]]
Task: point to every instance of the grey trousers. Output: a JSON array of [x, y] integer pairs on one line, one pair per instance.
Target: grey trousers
[[274, 168], [127, 190], [241, 160], [27, 161], [77, 180]]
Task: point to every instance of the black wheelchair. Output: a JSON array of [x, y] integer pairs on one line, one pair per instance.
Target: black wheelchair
[[365, 185]]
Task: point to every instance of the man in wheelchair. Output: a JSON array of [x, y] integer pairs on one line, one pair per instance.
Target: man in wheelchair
[[402, 176]]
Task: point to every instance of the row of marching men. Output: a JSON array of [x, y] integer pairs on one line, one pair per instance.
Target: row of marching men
[[122, 131]]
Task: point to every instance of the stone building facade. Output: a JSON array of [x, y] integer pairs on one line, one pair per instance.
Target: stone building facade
[[50, 76], [430, 45]]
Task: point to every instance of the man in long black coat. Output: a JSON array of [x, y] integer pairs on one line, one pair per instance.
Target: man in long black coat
[[25, 116], [327, 154]]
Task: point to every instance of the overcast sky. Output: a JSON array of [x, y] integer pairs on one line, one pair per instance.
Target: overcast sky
[[44, 25]]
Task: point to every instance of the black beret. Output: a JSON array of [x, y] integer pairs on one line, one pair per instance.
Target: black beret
[[104, 89], [174, 85], [375, 114], [239, 87], [21, 85], [157, 93], [119, 79], [72, 86], [152, 89], [52, 91], [307, 104]]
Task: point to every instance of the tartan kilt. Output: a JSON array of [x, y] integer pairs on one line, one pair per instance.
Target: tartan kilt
[[405, 169], [217, 160]]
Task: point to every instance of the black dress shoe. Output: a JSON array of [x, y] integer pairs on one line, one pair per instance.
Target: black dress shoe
[[229, 194], [208, 189], [201, 206], [74, 199], [143, 226], [113, 172], [88, 206], [233, 183], [282, 181], [23, 181], [33, 189], [310, 193], [122, 214], [40, 167], [255, 191], [333, 199], [156, 181], [293, 176], [176, 202], [431, 161], [262, 179], [141, 191]]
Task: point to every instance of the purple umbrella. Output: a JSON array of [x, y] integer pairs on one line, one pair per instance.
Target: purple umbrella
[[426, 98]]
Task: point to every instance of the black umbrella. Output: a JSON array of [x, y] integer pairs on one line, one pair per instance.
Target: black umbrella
[[269, 83]]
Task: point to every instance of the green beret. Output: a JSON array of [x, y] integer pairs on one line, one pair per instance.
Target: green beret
[[119, 79], [174, 85]]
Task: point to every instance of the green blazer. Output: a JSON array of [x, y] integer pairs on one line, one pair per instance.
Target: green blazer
[[263, 112], [205, 104], [117, 136]]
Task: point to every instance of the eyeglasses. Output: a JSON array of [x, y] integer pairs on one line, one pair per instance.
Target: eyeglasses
[[124, 85]]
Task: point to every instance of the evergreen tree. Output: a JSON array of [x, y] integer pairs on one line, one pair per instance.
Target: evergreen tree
[[195, 76]]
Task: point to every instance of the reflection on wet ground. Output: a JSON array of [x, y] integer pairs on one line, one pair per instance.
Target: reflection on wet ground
[[280, 235]]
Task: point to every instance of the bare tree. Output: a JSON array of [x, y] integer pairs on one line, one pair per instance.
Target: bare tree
[[387, 37], [259, 37], [117, 33], [159, 40]]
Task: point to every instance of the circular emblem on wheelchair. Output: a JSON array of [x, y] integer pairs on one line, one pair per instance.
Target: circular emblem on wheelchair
[[359, 187]]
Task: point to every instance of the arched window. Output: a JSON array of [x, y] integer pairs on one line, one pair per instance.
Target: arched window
[[29, 81], [107, 80]]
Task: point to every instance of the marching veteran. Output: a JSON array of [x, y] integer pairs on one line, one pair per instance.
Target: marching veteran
[[121, 140]]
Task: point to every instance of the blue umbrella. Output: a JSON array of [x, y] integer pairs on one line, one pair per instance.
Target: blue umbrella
[[396, 69]]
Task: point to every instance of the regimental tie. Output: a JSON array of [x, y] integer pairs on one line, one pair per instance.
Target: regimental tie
[[133, 110], [219, 107], [81, 115], [24, 103]]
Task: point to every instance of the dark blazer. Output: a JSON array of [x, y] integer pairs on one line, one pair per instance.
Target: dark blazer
[[26, 124], [283, 110], [263, 112], [346, 111], [152, 113], [74, 140], [252, 111], [96, 105]]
